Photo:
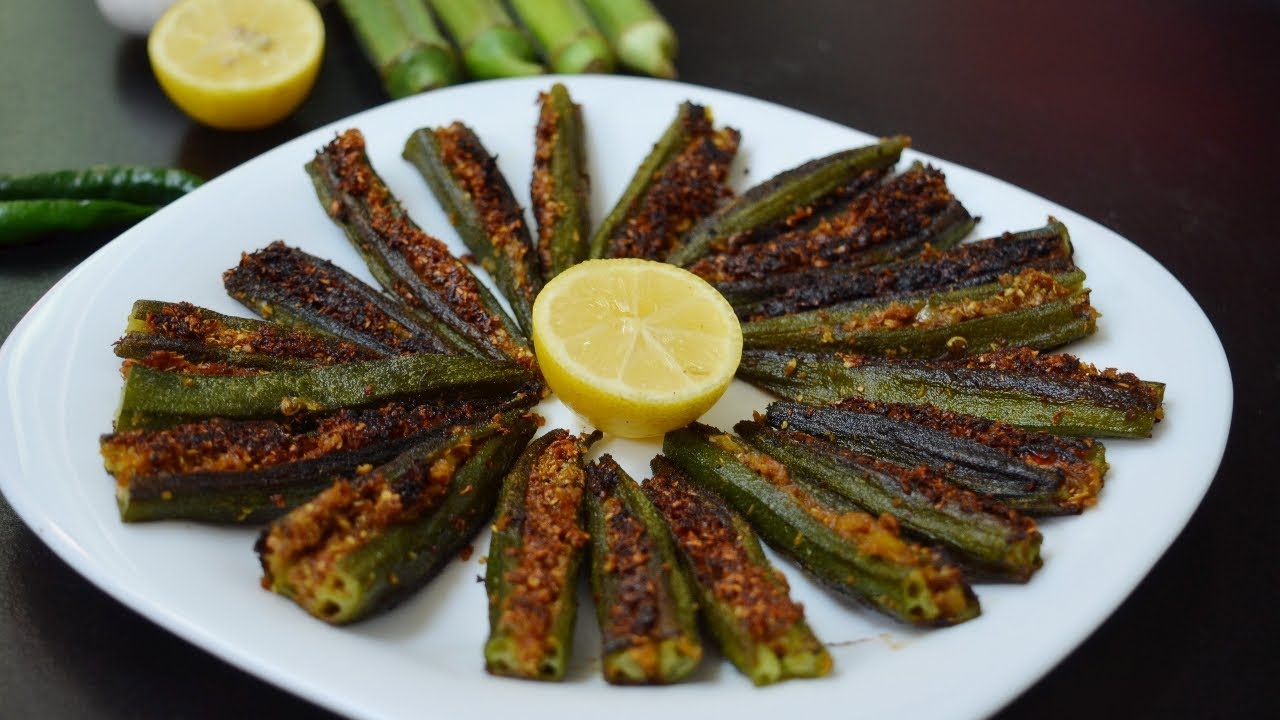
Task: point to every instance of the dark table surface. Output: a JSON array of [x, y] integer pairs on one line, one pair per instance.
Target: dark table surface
[[1154, 117]]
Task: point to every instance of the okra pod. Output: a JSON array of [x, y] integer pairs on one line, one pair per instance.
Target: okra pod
[[491, 44], [561, 189], [856, 554], [534, 558], [249, 471], [642, 39], [978, 532], [680, 181], [159, 334], [403, 43], [783, 194], [156, 399], [365, 543], [407, 261], [1032, 309], [286, 285], [569, 40], [644, 602], [466, 181], [1031, 471], [1058, 394], [975, 263], [744, 600], [890, 220]]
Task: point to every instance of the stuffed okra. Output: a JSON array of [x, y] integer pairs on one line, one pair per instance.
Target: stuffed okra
[[980, 533], [466, 181], [1057, 394], [366, 542], [644, 603], [534, 557], [681, 181], [1031, 471], [407, 261], [856, 554], [560, 190], [744, 600]]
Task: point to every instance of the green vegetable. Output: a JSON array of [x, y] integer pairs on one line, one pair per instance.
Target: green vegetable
[[1057, 394], [853, 553], [366, 543], [23, 220], [644, 603], [743, 599], [155, 399], [470, 187], [641, 38], [570, 41], [532, 569], [561, 189], [402, 41], [492, 46], [979, 533], [126, 183], [779, 196]]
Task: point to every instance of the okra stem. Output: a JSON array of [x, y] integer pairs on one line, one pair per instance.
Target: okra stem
[[403, 43], [570, 41], [492, 46], [640, 36]]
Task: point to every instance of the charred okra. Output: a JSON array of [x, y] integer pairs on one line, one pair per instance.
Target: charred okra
[[157, 399], [799, 189], [534, 556], [1058, 394], [980, 533], [407, 261], [183, 336], [744, 600], [286, 285], [976, 263], [560, 190], [681, 181], [466, 181], [1033, 309], [854, 553], [644, 603], [891, 220], [1031, 471], [248, 471], [365, 543]]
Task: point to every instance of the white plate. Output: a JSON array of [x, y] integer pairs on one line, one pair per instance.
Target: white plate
[[60, 384]]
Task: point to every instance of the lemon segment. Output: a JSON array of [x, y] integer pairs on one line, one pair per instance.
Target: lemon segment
[[636, 347], [237, 64]]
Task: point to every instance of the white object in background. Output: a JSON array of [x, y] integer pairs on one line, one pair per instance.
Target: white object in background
[[134, 17]]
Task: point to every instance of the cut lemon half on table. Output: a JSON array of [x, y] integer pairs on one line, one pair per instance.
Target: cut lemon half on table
[[237, 64], [636, 347]]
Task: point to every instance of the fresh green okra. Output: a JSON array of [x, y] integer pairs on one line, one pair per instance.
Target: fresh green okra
[[560, 190], [569, 40], [403, 43]]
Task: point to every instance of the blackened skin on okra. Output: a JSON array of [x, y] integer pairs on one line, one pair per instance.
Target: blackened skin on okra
[[286, 285], [976, 263], [890, 220], [466, 181], [248, 471], [744, 600], [533, 562], [365, 543], [1032, 308], [1032, 471], [407, 261], [183, 336], [681, 181], [978, 532], [791, 198], [1058, 394], [856, 554], [644, 602], [560, 190]]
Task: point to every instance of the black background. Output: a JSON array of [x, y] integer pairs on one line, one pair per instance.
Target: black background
[[1154, 117]]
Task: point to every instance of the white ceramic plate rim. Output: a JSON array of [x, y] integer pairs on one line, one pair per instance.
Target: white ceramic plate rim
[[424, 656]]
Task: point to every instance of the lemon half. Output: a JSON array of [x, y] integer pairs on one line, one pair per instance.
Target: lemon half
[[237, 64], [637, 347]]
